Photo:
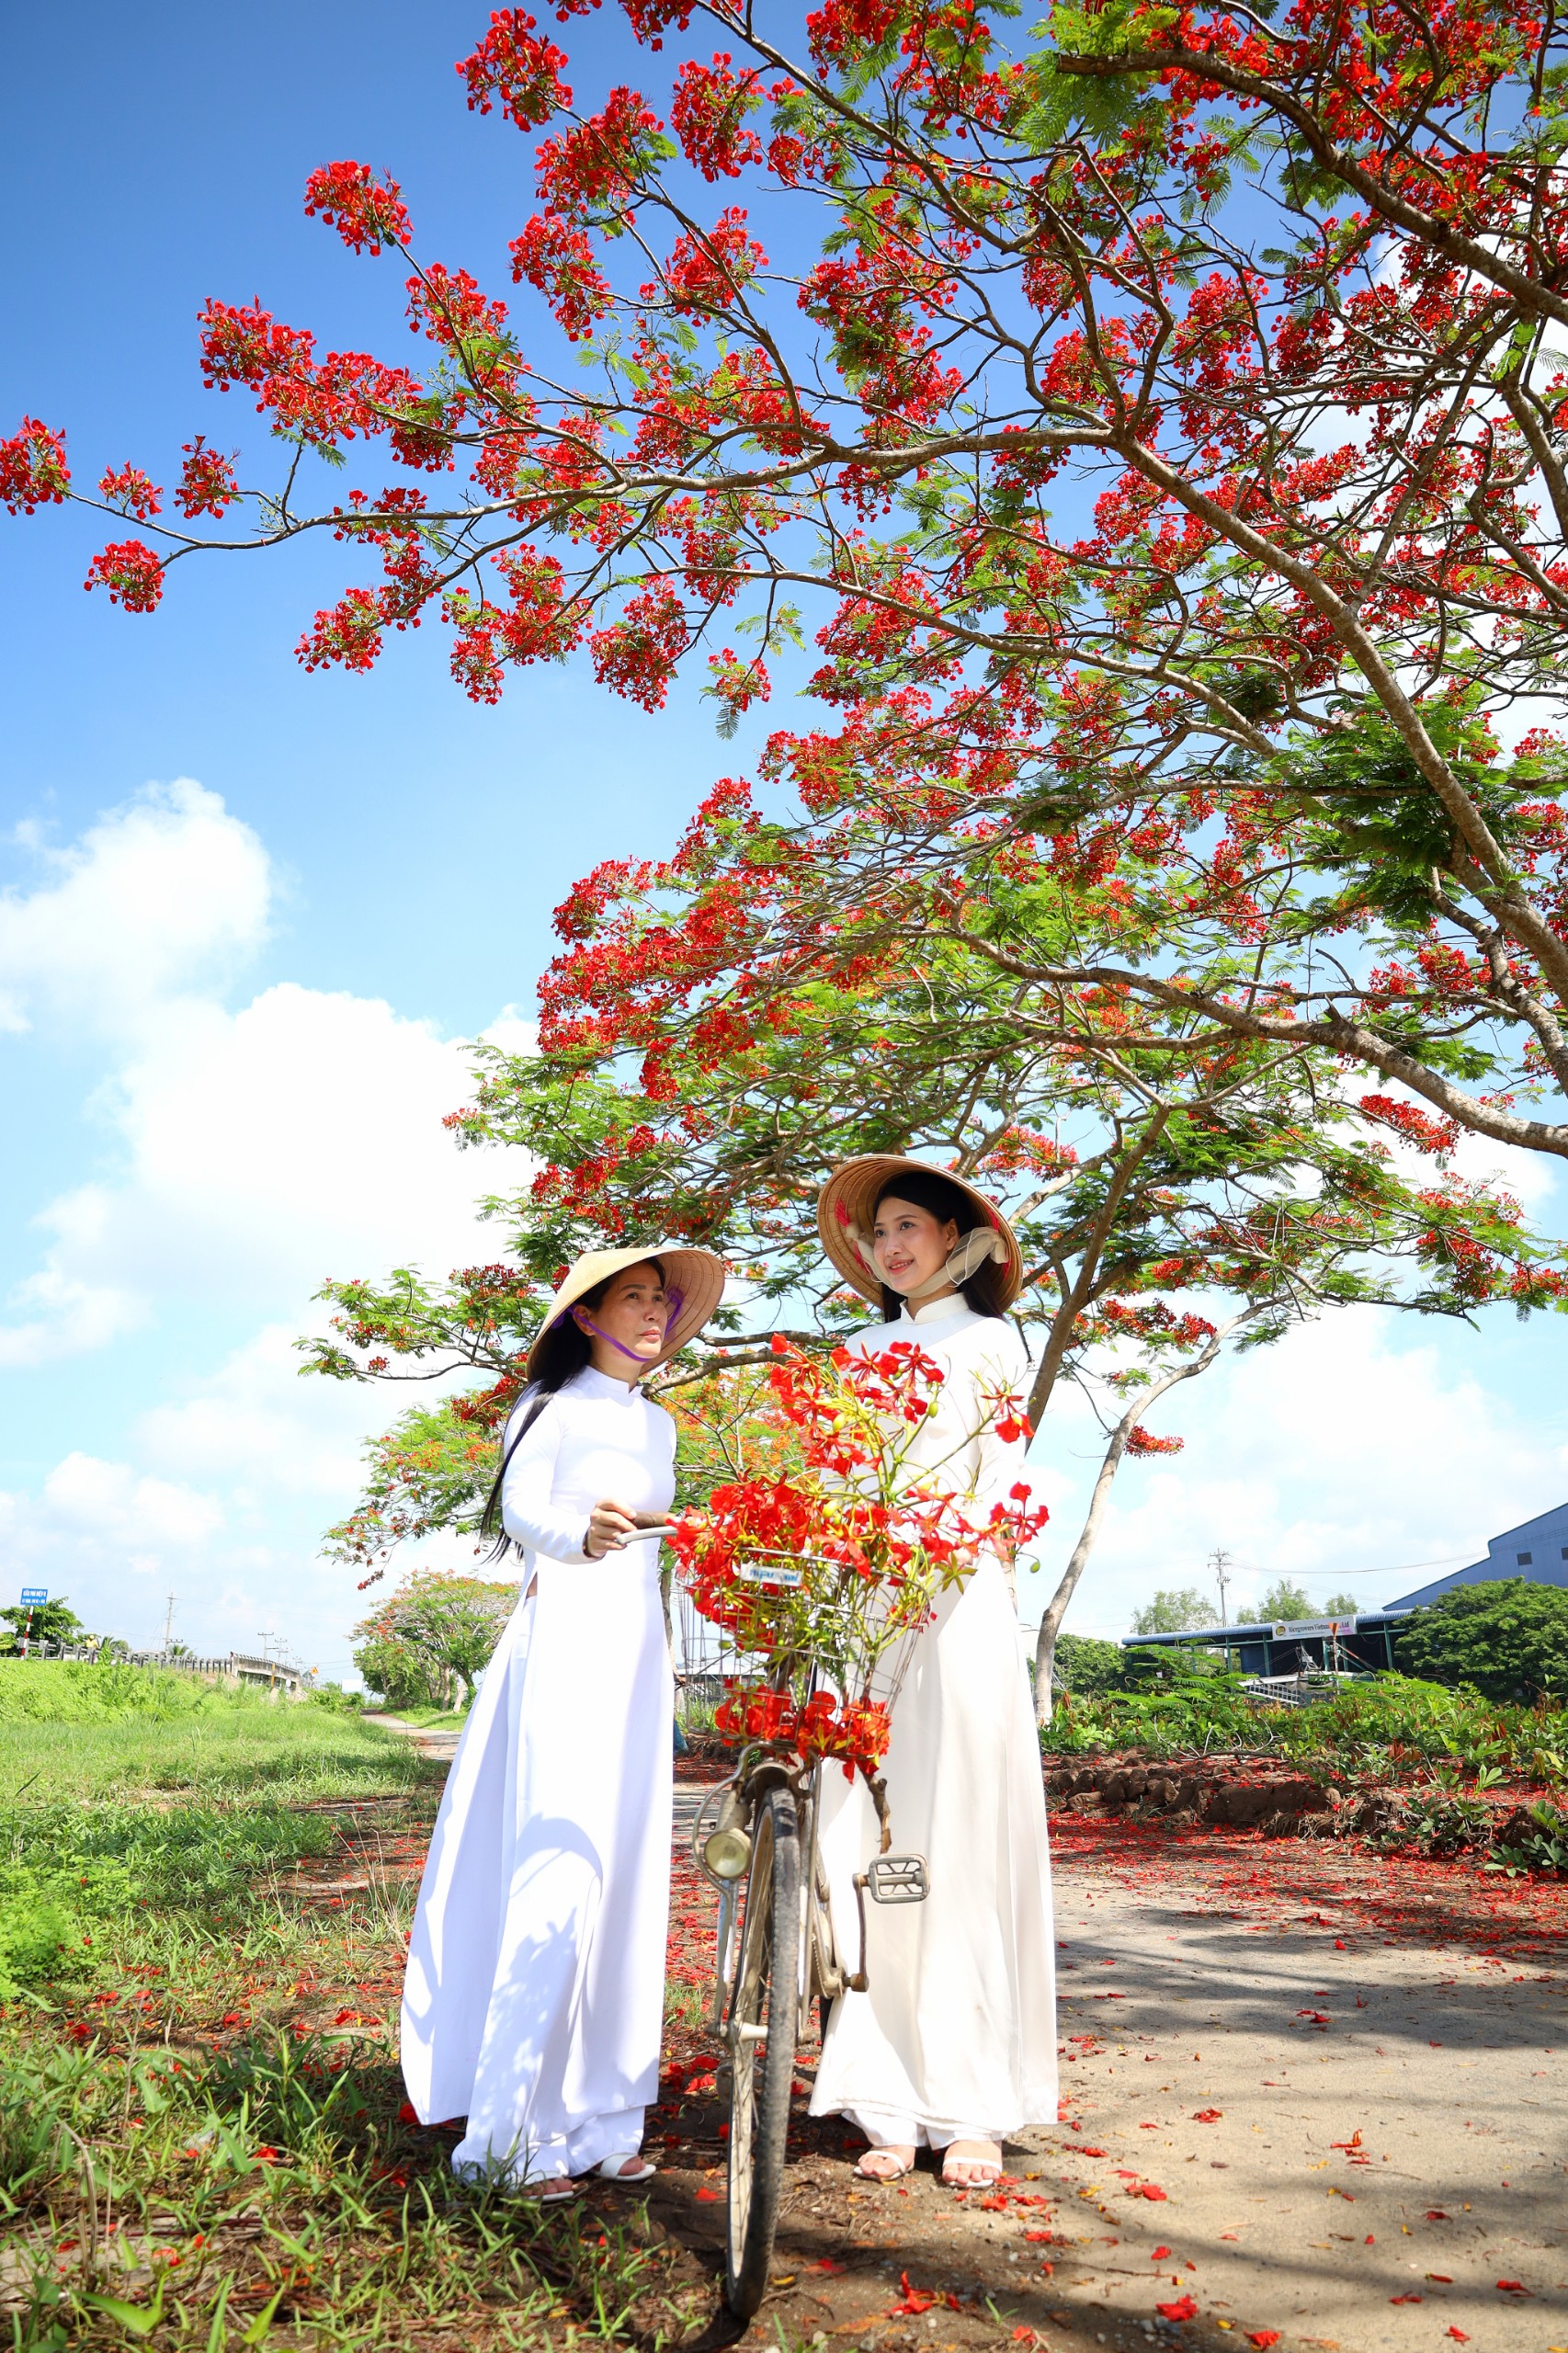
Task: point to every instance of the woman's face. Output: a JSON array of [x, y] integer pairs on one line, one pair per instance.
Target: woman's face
[[635, 1311], [908, 1245]]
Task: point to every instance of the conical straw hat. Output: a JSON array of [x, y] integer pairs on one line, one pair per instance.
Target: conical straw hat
[[847, 1200], [696, 1275]]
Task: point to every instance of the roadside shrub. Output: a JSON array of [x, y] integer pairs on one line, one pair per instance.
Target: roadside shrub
[[1087, 1667], [1508, 1638], [336, 1700], [1378, 1730], [1534, 1839]]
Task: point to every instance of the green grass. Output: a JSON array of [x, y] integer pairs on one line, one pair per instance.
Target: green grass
[[202, 2138], [69, 1691], [295, 1752]]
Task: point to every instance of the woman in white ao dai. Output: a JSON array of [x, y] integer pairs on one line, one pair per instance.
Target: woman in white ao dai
[[533, 2001], [953, 2046]]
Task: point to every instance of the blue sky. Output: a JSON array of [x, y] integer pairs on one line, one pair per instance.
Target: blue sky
[[234, 1007]]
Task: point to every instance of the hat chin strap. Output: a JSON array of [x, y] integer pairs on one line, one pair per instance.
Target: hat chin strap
[[978, 1249], [645, 1362]]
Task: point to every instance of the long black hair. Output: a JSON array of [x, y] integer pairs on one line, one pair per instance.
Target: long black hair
[[563, 1351], [928, 1188]]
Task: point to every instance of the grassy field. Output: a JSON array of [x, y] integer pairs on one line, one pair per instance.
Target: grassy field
[[203, 2141]]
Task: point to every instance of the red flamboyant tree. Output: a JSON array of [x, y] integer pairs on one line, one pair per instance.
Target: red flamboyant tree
[[1172, 422], [721, 1028]]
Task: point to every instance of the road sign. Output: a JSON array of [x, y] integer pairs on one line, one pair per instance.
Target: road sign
[[34, 1596]]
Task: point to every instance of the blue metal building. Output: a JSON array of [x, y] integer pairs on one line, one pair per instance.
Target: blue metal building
[[1537, 1550]]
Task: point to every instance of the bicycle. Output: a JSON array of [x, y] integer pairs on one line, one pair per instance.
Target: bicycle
[[761, 1828]]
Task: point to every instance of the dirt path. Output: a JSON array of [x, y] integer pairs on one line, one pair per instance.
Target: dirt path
[[1321, 2094], [1311, 2097], [438, 1741]]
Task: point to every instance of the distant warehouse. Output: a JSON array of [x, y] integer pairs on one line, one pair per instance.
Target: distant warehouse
[[1537, 1550]]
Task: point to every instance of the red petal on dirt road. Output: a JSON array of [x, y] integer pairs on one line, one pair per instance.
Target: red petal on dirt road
[[1404, 2300], [1207, 2115], [1184, 2308], [707, 2197], [1515, 2288], [830, 2263], [916, 2300], [1459, 2335], [1159, 2254], [1148, 2189], [1263, 2338], [1436, 2214]]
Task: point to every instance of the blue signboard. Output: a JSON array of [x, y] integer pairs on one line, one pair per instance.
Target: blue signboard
[[34, 1595]]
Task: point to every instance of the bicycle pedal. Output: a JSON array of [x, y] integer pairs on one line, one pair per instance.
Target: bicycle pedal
[[898, 1879]]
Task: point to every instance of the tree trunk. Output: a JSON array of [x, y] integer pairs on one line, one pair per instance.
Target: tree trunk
[[1051, 1622]]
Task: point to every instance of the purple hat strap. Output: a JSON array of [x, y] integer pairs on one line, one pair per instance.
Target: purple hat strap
[[675, 1295]]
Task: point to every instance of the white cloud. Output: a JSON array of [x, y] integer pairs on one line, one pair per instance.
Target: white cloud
[[258, 1426], [169, 894], [255, 1148], [259, 1150], [1339, 1457]]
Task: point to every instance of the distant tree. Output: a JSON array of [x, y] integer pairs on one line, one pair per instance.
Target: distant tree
[[431, 1640], [1284, 1600], [1507, 1637], [1341, 1605], [1175, 1610], [1088, 1667], [44, 1621]]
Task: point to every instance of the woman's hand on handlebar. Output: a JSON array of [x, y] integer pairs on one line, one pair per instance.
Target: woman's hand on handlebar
[[610, 1525]]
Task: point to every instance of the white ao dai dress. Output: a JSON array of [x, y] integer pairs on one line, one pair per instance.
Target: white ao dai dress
[[533, 2001], [956, 2036]]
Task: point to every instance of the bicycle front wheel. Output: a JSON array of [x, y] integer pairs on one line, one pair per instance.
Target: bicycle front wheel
[[761, 2049]]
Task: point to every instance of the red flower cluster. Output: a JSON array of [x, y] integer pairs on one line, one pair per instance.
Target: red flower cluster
[[33, 472], [206, 482], [133, 490], [824, 1572], [524, 72], [367, 214], [131, 573], [858, 1734]]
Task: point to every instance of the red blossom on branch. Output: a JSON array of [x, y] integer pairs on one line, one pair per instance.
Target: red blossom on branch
[[207, 484], [513, 66], [33, 472], [135, 491], [367, 214], [130, 571]]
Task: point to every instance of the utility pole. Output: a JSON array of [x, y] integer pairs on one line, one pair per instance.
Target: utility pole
[[1221, 1565], [169, 1625]]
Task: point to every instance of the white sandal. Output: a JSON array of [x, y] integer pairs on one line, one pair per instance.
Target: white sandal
[[556, 2189], [609, 2170]]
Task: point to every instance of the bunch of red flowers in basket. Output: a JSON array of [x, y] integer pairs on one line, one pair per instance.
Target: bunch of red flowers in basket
[[817, 1575], [857, 1733]]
